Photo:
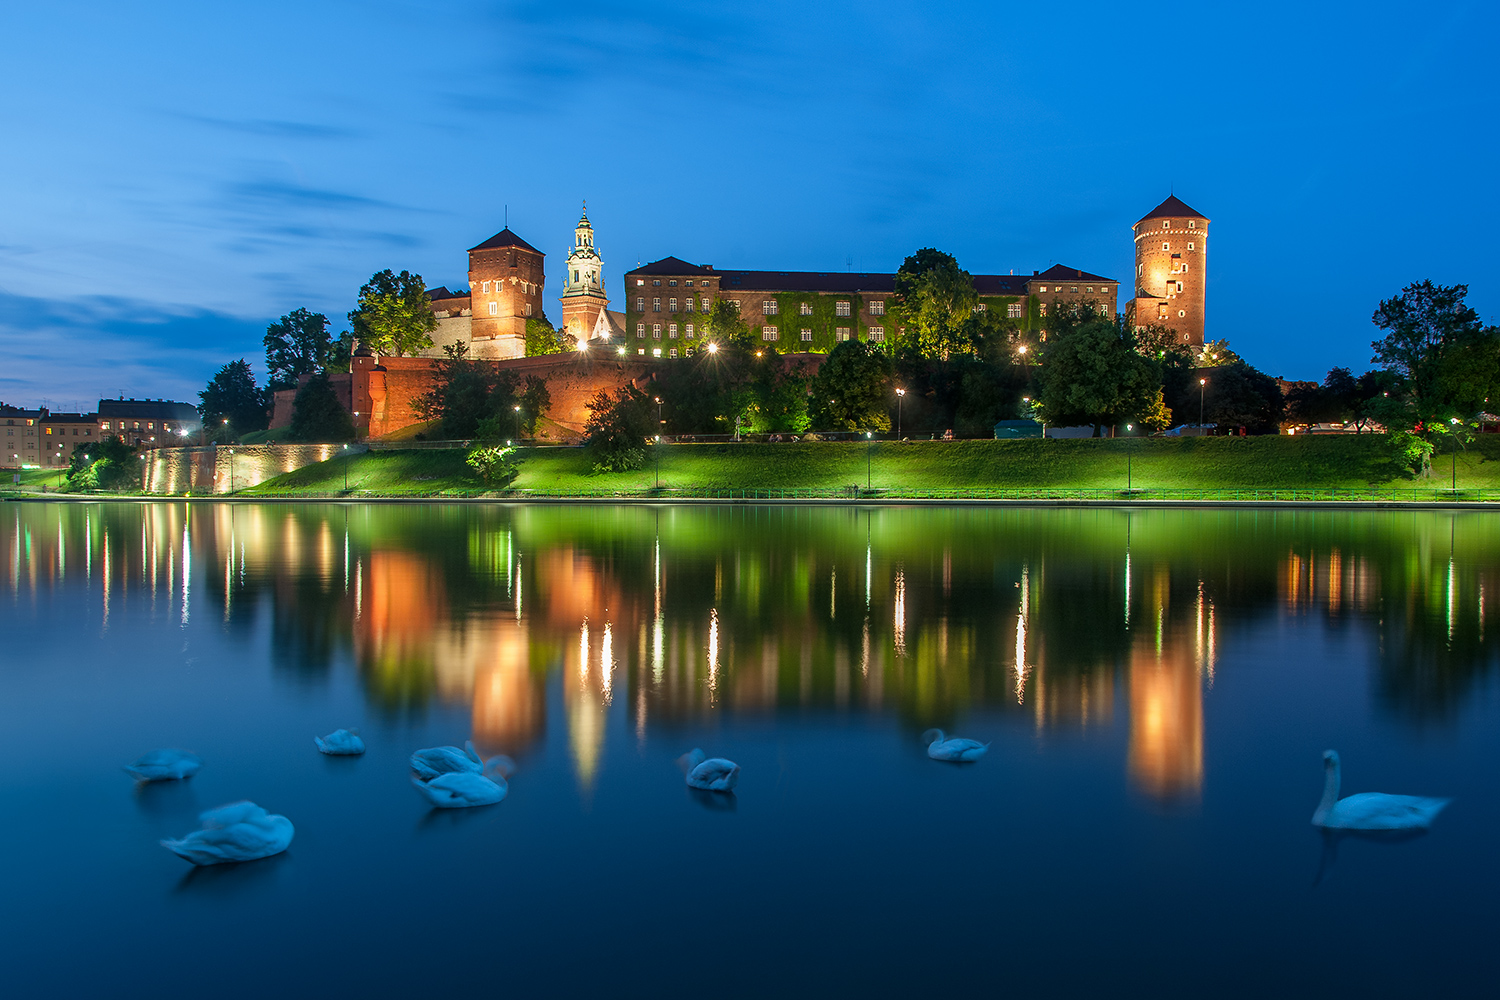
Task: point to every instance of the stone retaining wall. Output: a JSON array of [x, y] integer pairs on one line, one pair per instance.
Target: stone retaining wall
[[226, 468]]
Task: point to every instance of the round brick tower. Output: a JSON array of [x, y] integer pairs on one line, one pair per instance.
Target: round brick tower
[[1171, 270]]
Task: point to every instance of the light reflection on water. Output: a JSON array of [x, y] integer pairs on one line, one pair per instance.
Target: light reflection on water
[[1125, 638]]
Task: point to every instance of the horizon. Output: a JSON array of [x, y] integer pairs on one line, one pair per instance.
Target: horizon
[[185, 176]]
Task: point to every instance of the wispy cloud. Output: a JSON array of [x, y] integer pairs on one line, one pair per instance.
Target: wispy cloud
[[271, 128], [278, 195]]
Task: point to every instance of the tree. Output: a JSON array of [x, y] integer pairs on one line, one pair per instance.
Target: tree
[[935, 300], [110, 464], [496, 466], [296, 344], [1240, 396], [541, 339], [341, 353], [727, 328], [1442, 354], [1093, 374], [850, 391], [233, 395], [535, 401], [473, 398], [620, 424], [394, 315], [778, 396], [317, 414]]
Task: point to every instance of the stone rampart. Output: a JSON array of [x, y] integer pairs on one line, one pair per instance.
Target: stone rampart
[[226, 468]]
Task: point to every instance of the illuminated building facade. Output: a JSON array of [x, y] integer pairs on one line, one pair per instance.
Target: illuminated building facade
[[1171, 270]]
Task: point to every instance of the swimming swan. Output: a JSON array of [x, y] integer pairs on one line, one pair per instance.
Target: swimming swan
[[711, 774], [434, 761], [165, 765], [240, 831], [939, 747], [462, 789], [1370, 810], [341, 743]]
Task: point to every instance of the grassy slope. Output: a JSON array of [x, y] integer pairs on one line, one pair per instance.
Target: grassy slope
[[1344, 462]]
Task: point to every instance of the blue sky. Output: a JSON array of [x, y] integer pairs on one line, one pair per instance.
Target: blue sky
[[176, 175]]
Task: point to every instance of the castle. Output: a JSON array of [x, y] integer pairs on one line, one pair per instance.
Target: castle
[[1171, 256]]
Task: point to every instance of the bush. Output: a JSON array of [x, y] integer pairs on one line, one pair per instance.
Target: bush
[[110, 464], [496, 466], [317, 414]]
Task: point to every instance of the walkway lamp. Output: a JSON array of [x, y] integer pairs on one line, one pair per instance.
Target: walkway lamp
[[518, 423], [869, 457], [713, 348], [1454, 422], [346, 468], [657, 450], [900, 395], [659, 420], [1202, 386]]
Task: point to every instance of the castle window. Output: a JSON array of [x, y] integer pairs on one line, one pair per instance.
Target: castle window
[[1013, 310], [656, 282], [1166, 225], [805, 309], [1192, 247], [640, 281], [672, 353], [671, 305], [877, 308], [1181, 312], [656, 352], [1043, 308], [841, 308], [981, 307], [640, 305], [689, 331], [1044, 288], [672, 331], [1192, 225], [494, 309], [806, 334], [1184, 267], [656, 331], [1139, 269], [769, 333], [706, 305], [769, 307], [640, 330], [1179, 286], [689, 282], [877, 334], [1090, 289], [575, 277], [1074, 288], [689, 302], [673, 284], [656, 305], [1166, 246], [484, 286], [528, 308], [841, 334]]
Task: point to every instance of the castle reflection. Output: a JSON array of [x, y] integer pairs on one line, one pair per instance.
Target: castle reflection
[[1060, 620]]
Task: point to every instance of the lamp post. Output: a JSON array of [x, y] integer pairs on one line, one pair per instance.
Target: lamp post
[[869, 457], [657, 451], [659, 420], [1453, 421], [518, 423], [346, 468], [1202, 387], [900, 395]]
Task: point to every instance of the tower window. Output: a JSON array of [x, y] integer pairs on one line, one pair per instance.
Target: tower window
[[1191, 247], [528, 308], [1192, 225], [1181, 313], [575, 277], [806, 334], [494, 308], [1166, 225], [1166, 246], [1179, 286]]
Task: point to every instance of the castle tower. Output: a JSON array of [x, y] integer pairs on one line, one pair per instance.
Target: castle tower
[[583, 297], [505, 285], [1171, 257]]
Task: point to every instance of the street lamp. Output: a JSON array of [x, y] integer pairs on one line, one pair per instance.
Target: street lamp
[[1202, 386], [1454, 421], [900, 395], [518, 423], [869, 457], [659, 420], [713, 348], [657, 451], [346, 469]]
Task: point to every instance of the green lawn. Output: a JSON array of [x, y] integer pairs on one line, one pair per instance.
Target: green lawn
[[1332, 462], [32, 480]]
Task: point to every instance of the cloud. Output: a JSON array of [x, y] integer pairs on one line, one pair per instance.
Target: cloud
[[272, 128], [71, 352], [276, 195]]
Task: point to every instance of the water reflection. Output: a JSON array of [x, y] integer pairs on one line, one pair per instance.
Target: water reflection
[[671, 615]]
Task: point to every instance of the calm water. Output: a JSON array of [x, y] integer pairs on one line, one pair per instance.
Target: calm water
[[1158, 687]]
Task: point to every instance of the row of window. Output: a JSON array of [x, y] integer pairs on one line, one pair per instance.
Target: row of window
[[877, 333], [1074, 288], [1167, 224], [640, 331], [672, 283], [495, 309], [1165, 246]]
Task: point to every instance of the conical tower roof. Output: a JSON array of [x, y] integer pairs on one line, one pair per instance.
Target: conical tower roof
[[1172, 208]]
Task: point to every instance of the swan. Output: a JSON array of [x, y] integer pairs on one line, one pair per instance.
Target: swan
[[240, 831], [711, 774], [341, 743], [939, 747], [434, 761], [462, 789], [1370, 810], [165, 765]]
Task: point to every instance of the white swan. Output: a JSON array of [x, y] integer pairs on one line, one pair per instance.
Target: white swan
[[1370, 810], [434, 761], [240, 831], [165, 765], [939, 747], [712, 774], [341, 743], [462, 789]]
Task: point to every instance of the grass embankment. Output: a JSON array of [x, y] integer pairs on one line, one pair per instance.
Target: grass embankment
[[32, 480], [1346, 463]]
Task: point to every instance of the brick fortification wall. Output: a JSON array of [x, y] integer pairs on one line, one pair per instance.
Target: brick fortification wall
[[221, 469]]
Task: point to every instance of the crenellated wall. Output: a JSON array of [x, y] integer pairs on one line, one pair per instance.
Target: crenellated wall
[[226, 468]]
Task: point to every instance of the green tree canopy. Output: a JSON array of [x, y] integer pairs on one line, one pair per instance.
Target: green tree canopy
[[233, 395], [935, 301], [852, 390], [394, 315], [542, 339], [1240, 396], [727, 328], [296, 344], [1093, 374], [110, 464], [475, 398], [620, 424], [317, 414], [1446, 361]]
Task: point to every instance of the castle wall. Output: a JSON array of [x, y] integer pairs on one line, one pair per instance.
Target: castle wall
[[224, 469]]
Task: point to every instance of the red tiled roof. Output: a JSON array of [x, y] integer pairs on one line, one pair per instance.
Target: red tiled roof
[[1058, 272], [505, 238], [1172, 208], [672, 266]]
